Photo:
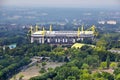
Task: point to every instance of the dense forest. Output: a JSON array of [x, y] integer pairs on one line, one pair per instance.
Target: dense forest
[[84, 64], [87, 63]]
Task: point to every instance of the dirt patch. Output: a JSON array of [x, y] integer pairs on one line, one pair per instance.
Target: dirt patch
[[105, 70], [34, 70], [28, 73]]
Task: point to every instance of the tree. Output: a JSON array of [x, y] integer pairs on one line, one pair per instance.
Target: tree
[[42, 70], [92, 60], [21, 77], [85, 66], [14, 77], [103, 65], [43, 64], [118, 65], [1, 67], [64, 72], [85, 76], [108, 61], [116, 71], [50, 69], [85, 47], [97, 75], [107, 75], [100, 78], [113, 65], [101, 44], [71, 78], [117, 77], [66, 59]]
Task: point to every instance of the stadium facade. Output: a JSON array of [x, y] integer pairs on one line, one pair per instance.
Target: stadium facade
[[61, 37]]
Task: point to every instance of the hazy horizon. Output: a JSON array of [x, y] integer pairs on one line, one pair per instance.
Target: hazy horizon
[[62, 3]]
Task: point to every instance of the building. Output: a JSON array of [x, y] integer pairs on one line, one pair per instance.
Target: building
[[101, 22], [60, 37], [111, 22], [12, 46]]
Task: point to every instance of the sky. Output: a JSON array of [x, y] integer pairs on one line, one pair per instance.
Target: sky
[[62, 3]]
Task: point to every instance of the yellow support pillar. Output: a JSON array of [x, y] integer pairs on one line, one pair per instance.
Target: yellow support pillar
[[43, 31], [31, 29], [93, 28], [78, 32], [50, 28], [82, 28], [36, 28]]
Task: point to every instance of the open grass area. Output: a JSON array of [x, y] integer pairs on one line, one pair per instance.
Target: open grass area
[[34, 70]]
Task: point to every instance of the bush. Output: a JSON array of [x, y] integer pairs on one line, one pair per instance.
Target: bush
[[43, 70]]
